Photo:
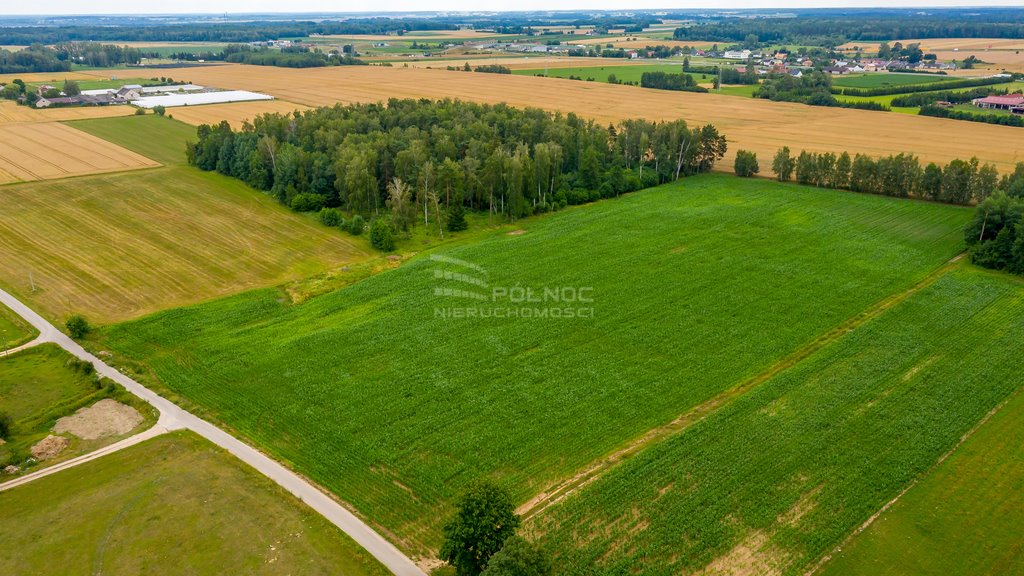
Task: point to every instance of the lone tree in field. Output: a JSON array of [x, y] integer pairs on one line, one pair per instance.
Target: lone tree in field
[[485, 520], [77, 326], [5, 426], [518, 557], [783, 165], [746, 164]]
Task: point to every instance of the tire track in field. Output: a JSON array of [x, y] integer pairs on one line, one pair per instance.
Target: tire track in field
[[558, 492]]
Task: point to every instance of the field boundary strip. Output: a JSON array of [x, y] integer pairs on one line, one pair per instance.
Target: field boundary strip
[[871, 519], [558, 492]]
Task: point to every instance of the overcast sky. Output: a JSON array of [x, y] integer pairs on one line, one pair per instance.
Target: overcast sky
[[13, 7]]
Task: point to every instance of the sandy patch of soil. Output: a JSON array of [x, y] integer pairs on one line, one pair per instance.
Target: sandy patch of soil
[[49, 447], [104, 418]]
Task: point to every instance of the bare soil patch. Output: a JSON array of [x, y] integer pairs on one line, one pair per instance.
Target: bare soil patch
[[49, 447], [104, 418]]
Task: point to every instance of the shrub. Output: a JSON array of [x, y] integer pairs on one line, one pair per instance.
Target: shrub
[[77, 326], [159, 110], [518, 557], [381, 236], [746, 163], [307, 202], [5, 425], [330, 217], [140, 111], [356, 225]]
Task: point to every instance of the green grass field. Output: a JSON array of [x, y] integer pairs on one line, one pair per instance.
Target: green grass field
[[784, 473], [697, 286], [964, 519], [96, 84], [118, 246], [38, 386], [13, 330], [883, 79], [155, 137], [623, 73], [173, 505]]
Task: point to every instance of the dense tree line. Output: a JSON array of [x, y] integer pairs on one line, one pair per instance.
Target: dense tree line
[[836, 29], [98, 55], [914, 88], [35, 58], [493, 69], [814, 88], [1000, 119], [900, 175], [297, 57], [996, 234], [925, 98], [427, 156], [669, 81], [218, 32], [731, 75]]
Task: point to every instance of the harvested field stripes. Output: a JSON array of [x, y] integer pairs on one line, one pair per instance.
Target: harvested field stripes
[[51, 150], [155, 239], [235, 114], [754, 124], [12, 113]]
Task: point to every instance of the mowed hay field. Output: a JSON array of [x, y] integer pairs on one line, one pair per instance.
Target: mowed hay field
[[396, 410], [11, 112], [43, 151], [775, 480], [235, 113], [758, 125], [173, 505], [121, 245]]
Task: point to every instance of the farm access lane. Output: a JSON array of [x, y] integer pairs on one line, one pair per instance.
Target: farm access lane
[[173, 417]]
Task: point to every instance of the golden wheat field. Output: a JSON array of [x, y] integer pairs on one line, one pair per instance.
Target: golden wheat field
[[235, 113], [11, 113], [42, 151], [758, 125]]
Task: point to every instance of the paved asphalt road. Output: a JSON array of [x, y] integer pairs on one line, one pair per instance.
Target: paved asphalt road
[[173, 417]]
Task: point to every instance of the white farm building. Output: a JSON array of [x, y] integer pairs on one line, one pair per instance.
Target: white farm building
[[172, 100]]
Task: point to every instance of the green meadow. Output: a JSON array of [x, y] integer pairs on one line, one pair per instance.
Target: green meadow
[[622, 73], [173, 505], [882, 79], [42, 384], [394, 406], [784, 473], [13, 330]]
